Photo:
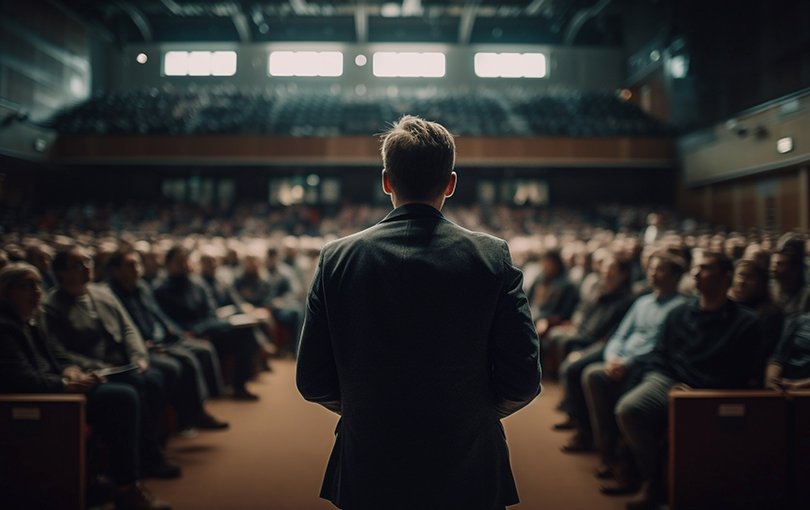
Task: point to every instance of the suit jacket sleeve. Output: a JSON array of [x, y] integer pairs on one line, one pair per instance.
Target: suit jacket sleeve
[[17, 373], [133, 341], [316, 372], [514, 346]]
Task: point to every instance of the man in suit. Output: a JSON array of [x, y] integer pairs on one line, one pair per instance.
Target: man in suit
[[91, 324], [418, 334], [188, 303], [197, 358]]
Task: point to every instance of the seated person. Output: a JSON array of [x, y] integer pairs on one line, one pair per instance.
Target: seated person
[[90, 323], [30, 362], [708, 342], [224, 294], [585, 345], [40, 256], [186, 301], [154, 270], [283, 299], [230, 304], [788, 272], [124, 270], [552, 297], [250, 285], [270, 289], [606, 381], [750, 287], [789, 366]]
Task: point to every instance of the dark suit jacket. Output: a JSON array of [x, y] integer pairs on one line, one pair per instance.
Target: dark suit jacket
[[66, 322], [143, 298], [188, 303], [419, 334], [29, 361]]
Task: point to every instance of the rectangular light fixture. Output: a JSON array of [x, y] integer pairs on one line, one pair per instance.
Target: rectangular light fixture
[[784, 145], [306, 63], [408, 64], [199, 63], [510, 65]]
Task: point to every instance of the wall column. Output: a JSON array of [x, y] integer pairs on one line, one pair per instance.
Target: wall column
[[804, 198]]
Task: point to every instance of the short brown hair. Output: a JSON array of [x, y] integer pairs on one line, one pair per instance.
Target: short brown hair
[[676, 263], [418, 157]]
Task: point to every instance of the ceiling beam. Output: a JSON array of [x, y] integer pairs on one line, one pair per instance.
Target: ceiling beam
[[138, 18], [467, 21], [361, 22], [241, 23], [534, 7], [580, 18], [95, 27]]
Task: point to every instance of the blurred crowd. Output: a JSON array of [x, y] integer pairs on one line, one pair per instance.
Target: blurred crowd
[[190, 304], [289, 111]]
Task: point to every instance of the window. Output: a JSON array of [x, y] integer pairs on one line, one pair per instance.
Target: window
[[199, 63], [510, 65], [408, 64], [306, 63]]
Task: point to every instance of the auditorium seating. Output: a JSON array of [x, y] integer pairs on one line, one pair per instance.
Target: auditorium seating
[[293, 112], [800, 453], [42, 451], [738, 449]]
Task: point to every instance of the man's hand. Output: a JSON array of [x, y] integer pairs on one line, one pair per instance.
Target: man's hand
[[541, 327], [772, 377], [615, 369], [143, 366], [792, 384], [79, 382], [72, 373]]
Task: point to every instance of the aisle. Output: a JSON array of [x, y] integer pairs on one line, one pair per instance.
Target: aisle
[[274, 454]]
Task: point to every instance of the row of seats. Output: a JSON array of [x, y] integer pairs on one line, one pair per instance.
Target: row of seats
[[329, 113]]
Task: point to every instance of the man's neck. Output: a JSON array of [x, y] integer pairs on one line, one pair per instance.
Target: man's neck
[[436, 204], [712, 302], [76, 291], [127, 288], [790, 286], [660, 293]]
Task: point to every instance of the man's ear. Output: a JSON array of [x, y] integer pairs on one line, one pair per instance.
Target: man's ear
[[451, 186], [386, 183]]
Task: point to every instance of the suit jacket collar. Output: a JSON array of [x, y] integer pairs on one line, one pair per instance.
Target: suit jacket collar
[[411, 211]]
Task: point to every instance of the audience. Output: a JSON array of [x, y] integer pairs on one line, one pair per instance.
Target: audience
[[224, 109], [90, 323], [708, 342], [31, 362], [605, 381], [186, 301], [177, 323], [599, 319], [196, 357]]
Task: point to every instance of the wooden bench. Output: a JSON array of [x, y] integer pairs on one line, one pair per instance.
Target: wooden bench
[[42, 451], [729, 449]]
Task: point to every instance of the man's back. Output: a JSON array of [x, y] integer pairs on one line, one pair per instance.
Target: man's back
[[419, 334]]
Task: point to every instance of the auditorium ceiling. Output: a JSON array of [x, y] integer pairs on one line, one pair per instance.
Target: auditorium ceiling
[[581, 22]]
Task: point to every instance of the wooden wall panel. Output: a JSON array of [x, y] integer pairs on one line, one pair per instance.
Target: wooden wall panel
[[788, 202], [748, 205], [723, 206], [557, 151]]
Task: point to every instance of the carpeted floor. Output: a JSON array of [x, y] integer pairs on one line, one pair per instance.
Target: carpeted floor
[[275, 452]]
